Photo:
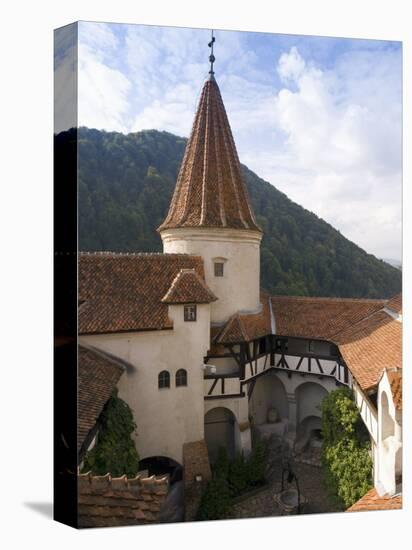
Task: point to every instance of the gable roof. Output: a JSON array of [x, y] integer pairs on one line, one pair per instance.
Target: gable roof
[[319, 318], [98, 374], [123, 292], [210, 191], [188, 288], [372, 501], [245, 327], [370, 346]]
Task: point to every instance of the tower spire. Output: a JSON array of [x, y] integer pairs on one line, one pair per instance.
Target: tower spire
[[210, 191], [212, 58]]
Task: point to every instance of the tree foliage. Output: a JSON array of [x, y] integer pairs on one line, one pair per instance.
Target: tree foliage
[[115, 451], [231, 479], [346, 453], [125, 184]]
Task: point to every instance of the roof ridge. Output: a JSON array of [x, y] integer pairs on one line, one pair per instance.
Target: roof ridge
[[381, 310], [138, 254], [329, 298], [208, 297], [138, 479]]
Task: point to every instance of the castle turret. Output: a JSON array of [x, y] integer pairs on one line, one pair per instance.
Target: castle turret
[[210, 213]]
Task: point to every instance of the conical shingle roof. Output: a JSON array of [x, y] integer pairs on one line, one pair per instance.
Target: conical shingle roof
[[210, 191]]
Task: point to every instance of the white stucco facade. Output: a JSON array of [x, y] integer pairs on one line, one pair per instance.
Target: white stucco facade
[[389, 447], [239, 250], [168, 417]]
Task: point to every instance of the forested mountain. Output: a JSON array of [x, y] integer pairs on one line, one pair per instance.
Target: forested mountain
[[125, 186]]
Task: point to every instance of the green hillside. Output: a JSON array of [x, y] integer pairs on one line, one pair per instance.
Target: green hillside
[[125, 186]]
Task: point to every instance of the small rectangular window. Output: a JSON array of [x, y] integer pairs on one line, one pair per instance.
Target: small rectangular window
[[219, 269], [190, 313]]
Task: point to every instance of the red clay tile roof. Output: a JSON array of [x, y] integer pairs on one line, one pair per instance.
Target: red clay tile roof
[[370, 346], [98, 375], [395, 303], [245, 328], [104, 501], [123, 292], [210, 191], [319, 318], [372, 501], [369, 339], [188, 288]]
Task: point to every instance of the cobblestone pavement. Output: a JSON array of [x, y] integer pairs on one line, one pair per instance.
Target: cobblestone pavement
[[311, 484]]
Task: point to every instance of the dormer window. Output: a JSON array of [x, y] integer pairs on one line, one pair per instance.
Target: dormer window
[[219, 269], [190, 313]]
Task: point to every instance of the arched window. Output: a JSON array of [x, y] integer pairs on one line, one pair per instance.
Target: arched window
[[164, 379], [181, 377]]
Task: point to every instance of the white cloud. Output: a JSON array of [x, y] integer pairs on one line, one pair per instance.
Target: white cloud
[[327, 136], [103, 90], [341, 148], [291, 65]]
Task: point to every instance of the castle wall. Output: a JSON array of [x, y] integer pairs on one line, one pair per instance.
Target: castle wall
[[239, 288], [169, 417]]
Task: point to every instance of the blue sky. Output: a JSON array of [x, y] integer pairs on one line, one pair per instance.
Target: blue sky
[[319, 118]]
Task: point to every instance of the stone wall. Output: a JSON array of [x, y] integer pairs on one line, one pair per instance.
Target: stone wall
[[195, 465]]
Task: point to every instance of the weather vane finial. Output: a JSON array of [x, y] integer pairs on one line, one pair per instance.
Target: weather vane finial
[[211, 56]]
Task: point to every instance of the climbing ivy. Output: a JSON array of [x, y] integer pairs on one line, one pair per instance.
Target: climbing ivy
[[115, 451], [346, 453]]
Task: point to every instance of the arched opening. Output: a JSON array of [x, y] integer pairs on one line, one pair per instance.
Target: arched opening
[[388, 424], [221, 430], [162, 465], [268, 400], [309, 433], [309, 397]]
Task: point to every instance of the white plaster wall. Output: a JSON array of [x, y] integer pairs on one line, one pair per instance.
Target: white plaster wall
[[165, 418], [239, 288], [225, 365], [389, 448], [367, 411]]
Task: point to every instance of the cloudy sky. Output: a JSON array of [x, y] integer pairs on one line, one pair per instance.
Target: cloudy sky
[[319, 118]]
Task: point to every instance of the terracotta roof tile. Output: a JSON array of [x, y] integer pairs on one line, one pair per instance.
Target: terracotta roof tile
[[123, 292], [395, 303], [98, 374], [210, 191], [245, 327], [370, 346], [368, 338], [188, 288], [319, 318], [104, 501], [372, 501]]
